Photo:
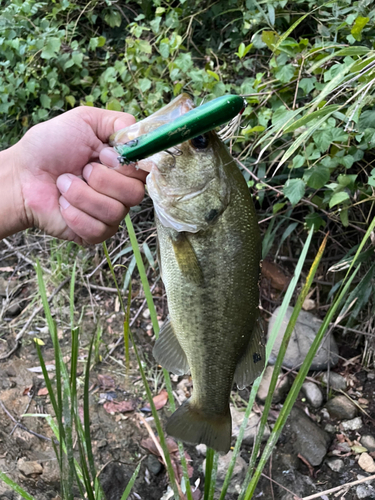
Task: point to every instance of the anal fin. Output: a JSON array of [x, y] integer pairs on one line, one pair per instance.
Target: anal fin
[[168, 351], [252, 362]]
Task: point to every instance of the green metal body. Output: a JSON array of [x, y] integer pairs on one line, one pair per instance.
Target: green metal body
[[187, 126]]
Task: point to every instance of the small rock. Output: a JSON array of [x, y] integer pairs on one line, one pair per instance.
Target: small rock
[[352, 425], [365, 491], [341, 407], [146, 314], [51, 473], [366, 462], [368, 442], [153, 464], [201, 449], [303, 335], [282, 386], [102, 443], [335, 381], [251, 429], [313, 394], [29, 468], [330, 428], [310, 440], [238, 472], [335, 464]]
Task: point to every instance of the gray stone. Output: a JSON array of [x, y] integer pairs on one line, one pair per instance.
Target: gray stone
[[29, 468], [285, 472], [313, 394], [330, 428], [251, 429], [201, 450], [303, 335], [153, 464], [365, 491], [335, 464], [340, 407], [239, 472], [352, 425], [368, 442], [310, 440], [335, 381], [281, 390]]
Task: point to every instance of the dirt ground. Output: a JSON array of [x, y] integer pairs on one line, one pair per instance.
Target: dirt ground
[[118, 435]]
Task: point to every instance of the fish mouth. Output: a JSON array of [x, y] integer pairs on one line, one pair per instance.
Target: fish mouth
[[179, 106]]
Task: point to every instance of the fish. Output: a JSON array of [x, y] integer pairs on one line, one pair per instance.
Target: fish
[[209, 252]]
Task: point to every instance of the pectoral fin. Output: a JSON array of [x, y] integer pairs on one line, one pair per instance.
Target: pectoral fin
[[168, 351], [186, 259], [252, 362]]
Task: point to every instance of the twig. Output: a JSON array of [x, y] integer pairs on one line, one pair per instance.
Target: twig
[[40, 436], [21, 256], [338, 488], [34, 313]]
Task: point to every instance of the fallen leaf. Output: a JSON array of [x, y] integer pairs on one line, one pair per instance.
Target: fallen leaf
[[106, 381], [275, 275], [358, 449], [308, 304], [150, 445], [7, 269], [27, 390], [159, 401], [122, 407], [43, 391], [366, 463]]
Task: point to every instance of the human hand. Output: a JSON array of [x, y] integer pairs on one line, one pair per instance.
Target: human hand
[[50, 162]]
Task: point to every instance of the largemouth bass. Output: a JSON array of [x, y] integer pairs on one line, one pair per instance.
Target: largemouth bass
[[209, 254]]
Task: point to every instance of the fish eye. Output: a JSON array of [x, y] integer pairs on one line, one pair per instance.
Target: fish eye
[[199, 142]]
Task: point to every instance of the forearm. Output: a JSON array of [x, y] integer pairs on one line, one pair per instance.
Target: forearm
[[12, 212]]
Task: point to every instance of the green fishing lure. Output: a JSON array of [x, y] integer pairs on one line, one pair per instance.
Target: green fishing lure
[[187, 126]]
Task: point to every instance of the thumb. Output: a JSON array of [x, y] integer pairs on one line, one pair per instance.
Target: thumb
[[104, 122]]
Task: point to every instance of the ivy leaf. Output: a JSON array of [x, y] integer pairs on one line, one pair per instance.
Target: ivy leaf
[[114, 105], [358, 26], [51, 48], [317, 176], [144, 46], [144, 84], [307, 84], [113, 19], [367, 119], [164, 49], [45, 101], [294, 190], [285, 73], [70, 99], [314, 220], [322, 139], [338, 198]]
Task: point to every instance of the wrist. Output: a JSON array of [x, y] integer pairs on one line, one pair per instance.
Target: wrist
[[12, 210]]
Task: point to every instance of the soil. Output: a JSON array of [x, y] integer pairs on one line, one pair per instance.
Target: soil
[[117, 437]]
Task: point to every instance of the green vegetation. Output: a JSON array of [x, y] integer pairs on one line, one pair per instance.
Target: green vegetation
[[305, 144]]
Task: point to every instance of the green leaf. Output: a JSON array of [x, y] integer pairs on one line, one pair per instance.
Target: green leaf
[[358, 26], [307, 84], [314, 220], [164, 49], [114, 105], [51, 48], [327, 110], [344, 217], [144, 46], [322, 139], [298, 161], [144, 84], [316, 177], [285, 73], [213, 74], [70, 99], [338, 198], [270, 38], [45, 101], [277, 207], [113, 19], [294, 190]]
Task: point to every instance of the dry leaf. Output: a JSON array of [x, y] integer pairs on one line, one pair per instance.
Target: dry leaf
[[308, 304], [7, 269], [275, 275], [27, 390], [122, 407], [159, 401], [366, 463], [43, 391], [106, 381]]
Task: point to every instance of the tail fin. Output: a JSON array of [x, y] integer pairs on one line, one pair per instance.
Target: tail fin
[[192, 426]]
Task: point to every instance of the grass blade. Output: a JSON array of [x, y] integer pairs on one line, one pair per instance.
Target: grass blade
[[131, 483], [15, 487], [208, 472]]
